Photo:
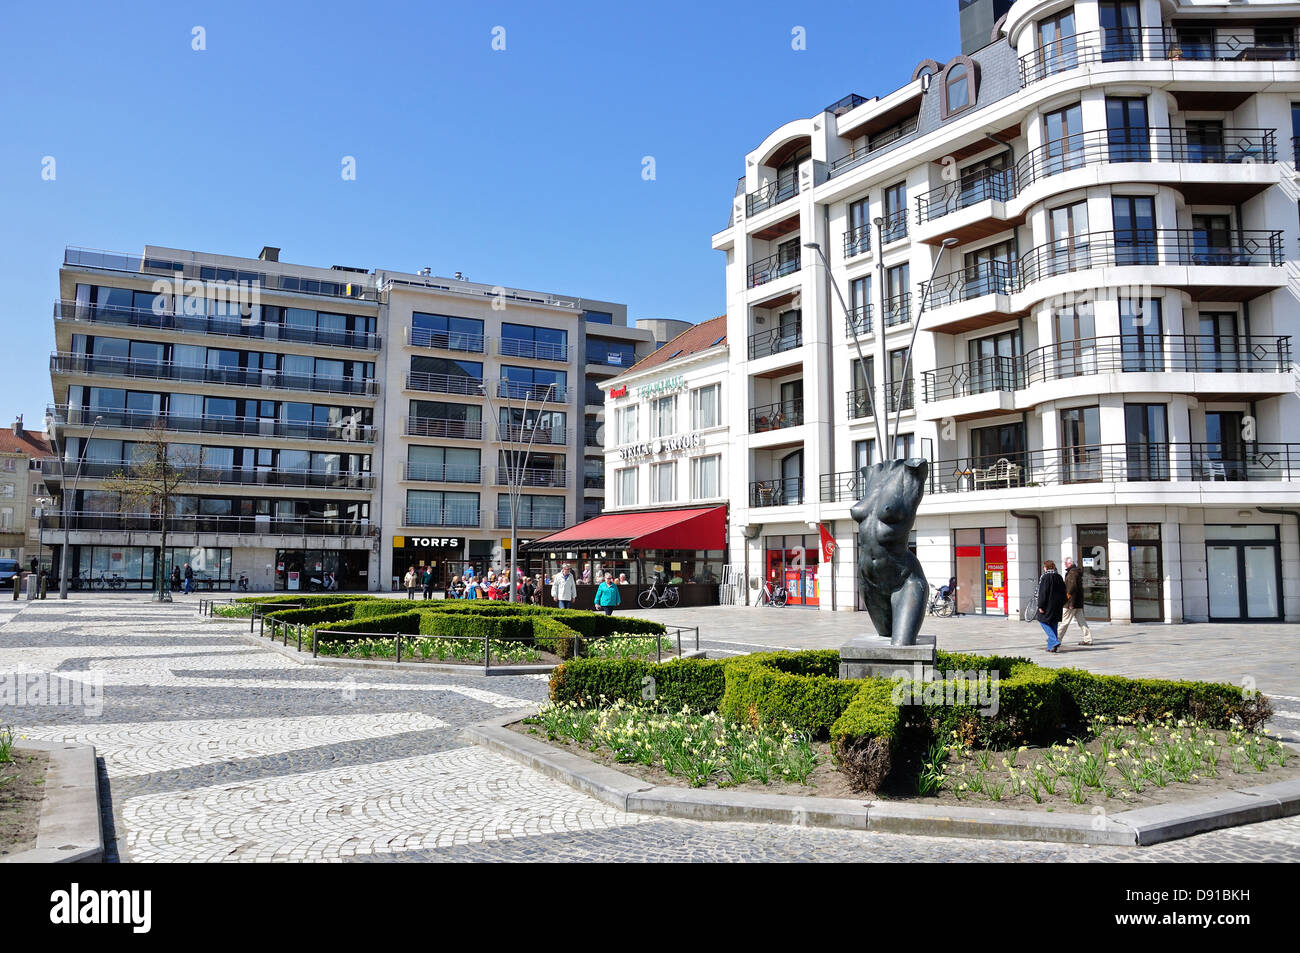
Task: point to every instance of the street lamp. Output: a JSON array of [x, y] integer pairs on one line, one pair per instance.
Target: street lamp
[[916, 326], [64, 559], [515, 468]]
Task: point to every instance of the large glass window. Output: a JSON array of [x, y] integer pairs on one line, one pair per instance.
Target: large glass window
[[441, 508], [446, 331], [704, 477], [627, 486], [453, 464], [663, 416], [663, 482], [533, 383], [705, 407], [541, 344], [1080, 444], [611, 353], [627, 424]]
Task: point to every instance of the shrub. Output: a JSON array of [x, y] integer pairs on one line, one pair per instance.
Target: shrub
[[312, 614], [697, 683], [795, 688], [1216, 703], [1030, 708], [403, 623], [306, 600]]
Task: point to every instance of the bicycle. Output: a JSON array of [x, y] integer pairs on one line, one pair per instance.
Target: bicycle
[[942, 602], [116, 582], [652, 598], [771, 595]]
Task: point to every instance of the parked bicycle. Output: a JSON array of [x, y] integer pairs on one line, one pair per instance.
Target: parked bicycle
[[113, 582], [943, 600], [771, 595], [653, 598]]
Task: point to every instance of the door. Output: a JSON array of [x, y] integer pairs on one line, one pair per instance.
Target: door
[[1134, 220], [1128, 139], [1224, 456], [993, 362], [1244, 573], [1146, 576], [792, 478], [1093, 560], [792, 402], [1216, 346], [1080, 445], [1076, 341], [791, 330], [1057, 44], [1205, 140], [1069, 249], [988, 270], [1121, 30], [1147, 437], [1063, 135], [1211, 240]]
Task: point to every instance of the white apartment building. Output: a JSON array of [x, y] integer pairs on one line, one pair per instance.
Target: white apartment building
[[1106, 195]]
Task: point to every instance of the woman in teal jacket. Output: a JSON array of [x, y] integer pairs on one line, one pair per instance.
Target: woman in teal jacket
[[607, 596]]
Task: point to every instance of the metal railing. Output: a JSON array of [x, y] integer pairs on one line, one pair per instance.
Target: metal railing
[[255, 329], [441, 473], [532, 520], [973, 281], [444, 383], [859, 403], [446, 340], [857, 323], [460, 516], [1127, 353], [893, 227], [444, 427], [52, 471], [873, 145], [785, 413], [857, 241], [783, 491], [770, 268], [517, 390], [592, 481], [897, 310], [901, 395], [970, 189], [532, 350], [215, 424], [533, 477], [770, 195], [592, 436], [775, 341], [81, 520], [518, 433], [63, 362]]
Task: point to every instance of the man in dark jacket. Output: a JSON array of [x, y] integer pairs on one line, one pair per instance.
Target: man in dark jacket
[[1051, 603], [1074, 602]]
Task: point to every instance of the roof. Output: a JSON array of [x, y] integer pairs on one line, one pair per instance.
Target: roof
[[653, 529], [698, 337], [34, 443]]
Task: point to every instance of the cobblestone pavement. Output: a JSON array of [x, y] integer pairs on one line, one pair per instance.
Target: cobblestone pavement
[[215, 749]]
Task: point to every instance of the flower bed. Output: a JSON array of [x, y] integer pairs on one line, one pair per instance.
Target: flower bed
[[22, 792]]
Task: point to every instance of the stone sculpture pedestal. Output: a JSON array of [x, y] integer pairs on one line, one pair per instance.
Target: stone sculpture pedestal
[[870, 657]]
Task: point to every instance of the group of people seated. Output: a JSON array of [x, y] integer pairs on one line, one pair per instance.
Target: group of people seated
[[495, 585]]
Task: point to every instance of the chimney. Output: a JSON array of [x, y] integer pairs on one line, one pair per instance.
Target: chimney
[[268, 253], [18, 426]]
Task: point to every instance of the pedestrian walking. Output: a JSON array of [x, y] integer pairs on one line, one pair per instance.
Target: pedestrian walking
[[1074, 602], [428, 582], [1051, 603], [411, 580], [527, 590], [189, 579], [608, 596], [565, 587]]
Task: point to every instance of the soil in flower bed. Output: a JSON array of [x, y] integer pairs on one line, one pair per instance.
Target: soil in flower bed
[[22, 789]]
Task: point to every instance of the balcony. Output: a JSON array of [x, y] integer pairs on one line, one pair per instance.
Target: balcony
[[771, 268], [593, 481], [62, 362], [778, 416], [786, 491], [520, 434], [444, 428], [770, 195], [517, 390], [996, 185], [532, 350], [346, 432], [973, 281], [902, 395], [859, 404], [445, 340], [775, 341], [1131, 353], [440, 473], [1119, 463], [897, 310], [532, 520], [250, 329], [444, 384], [533, 477], [592, 436], [84, 521], [454, 515], [873, 145], [857, 323], [52, 473], [857, 241]]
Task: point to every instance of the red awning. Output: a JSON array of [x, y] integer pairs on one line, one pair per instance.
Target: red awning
[[654, 529]]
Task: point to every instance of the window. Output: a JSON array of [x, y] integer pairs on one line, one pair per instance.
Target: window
[[542, 344], [627, 424], [705, 409], [1057, 44], [663, 482], [1140, 334], [1063, 135], [858, 238], [864, 384], [1127, 135], [864, 454], [453, 464], [627, 487], [610, 353], [704, 477], [663, 417], [598, 317], [441, 508], [897, 300], [894, 226], [533, 382], [446, 331], [958, 84]]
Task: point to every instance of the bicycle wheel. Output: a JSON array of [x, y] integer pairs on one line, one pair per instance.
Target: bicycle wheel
[[100, 584], [671, 598], [944, 609], [646, 599], [780, 597]]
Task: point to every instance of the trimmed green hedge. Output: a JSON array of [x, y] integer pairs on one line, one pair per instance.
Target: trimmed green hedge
[[399, 623], [307, 600], [1088, 694], [698, 683], [801, 689]]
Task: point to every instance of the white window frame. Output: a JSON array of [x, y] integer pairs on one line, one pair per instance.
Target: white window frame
[[655, 469], [697, 465], [697, 396], [625, 479], [656, 419], [628, 420]]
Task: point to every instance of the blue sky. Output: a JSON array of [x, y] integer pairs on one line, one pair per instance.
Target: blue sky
[[520, 167]]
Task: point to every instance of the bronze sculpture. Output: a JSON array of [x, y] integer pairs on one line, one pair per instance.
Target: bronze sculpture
[[891, 578]]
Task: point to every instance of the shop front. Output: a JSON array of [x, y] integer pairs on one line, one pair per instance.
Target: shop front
[[683, 548], [980, 566], [791, 562], [447, 556], [302, 570]]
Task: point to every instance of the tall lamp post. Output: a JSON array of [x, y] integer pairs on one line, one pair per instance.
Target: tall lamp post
[[916, 326], [64, 557], [516, 465]]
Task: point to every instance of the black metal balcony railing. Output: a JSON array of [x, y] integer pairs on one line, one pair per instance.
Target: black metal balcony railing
[[447, 340], [518, 390], [857, 323], [524, 520], [532, 350], [775, 340], [1098, 463], [787, 491], [201, 523], [52, 472], [893, 227], [441, 473], [444, 383], [973, 281], [592, 481], [532, 477], [857, 241], [448, 515], [1199, 42], [355, 290], [1128, 353], [873, 145], [346, 432], [897, 310], [772, 194], [771, 268], [444, 427], [62, 362], [1195, 146], [902, 395], [785, 413], [543, 434], [210, 325], [859, 403]]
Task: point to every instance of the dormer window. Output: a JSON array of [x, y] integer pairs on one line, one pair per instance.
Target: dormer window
[[958, 85]]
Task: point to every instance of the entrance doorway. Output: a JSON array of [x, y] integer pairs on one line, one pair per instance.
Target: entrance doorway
[[1244, 573], [1146, 574], [980, 565], [1093, 541]]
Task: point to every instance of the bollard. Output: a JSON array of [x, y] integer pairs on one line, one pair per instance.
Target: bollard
[[30, 579], [45, 585], [399, 648], [18, 585]]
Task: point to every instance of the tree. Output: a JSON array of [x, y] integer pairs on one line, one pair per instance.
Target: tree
[[150, 483]]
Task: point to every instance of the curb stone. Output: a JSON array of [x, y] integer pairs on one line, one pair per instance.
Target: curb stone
[[71, 830], [1135, 828]]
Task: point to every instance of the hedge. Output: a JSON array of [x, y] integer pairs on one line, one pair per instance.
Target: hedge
[[399, 623], [306, 600], [312, 614], [1088, 694], [698, 683], [795, 688]]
